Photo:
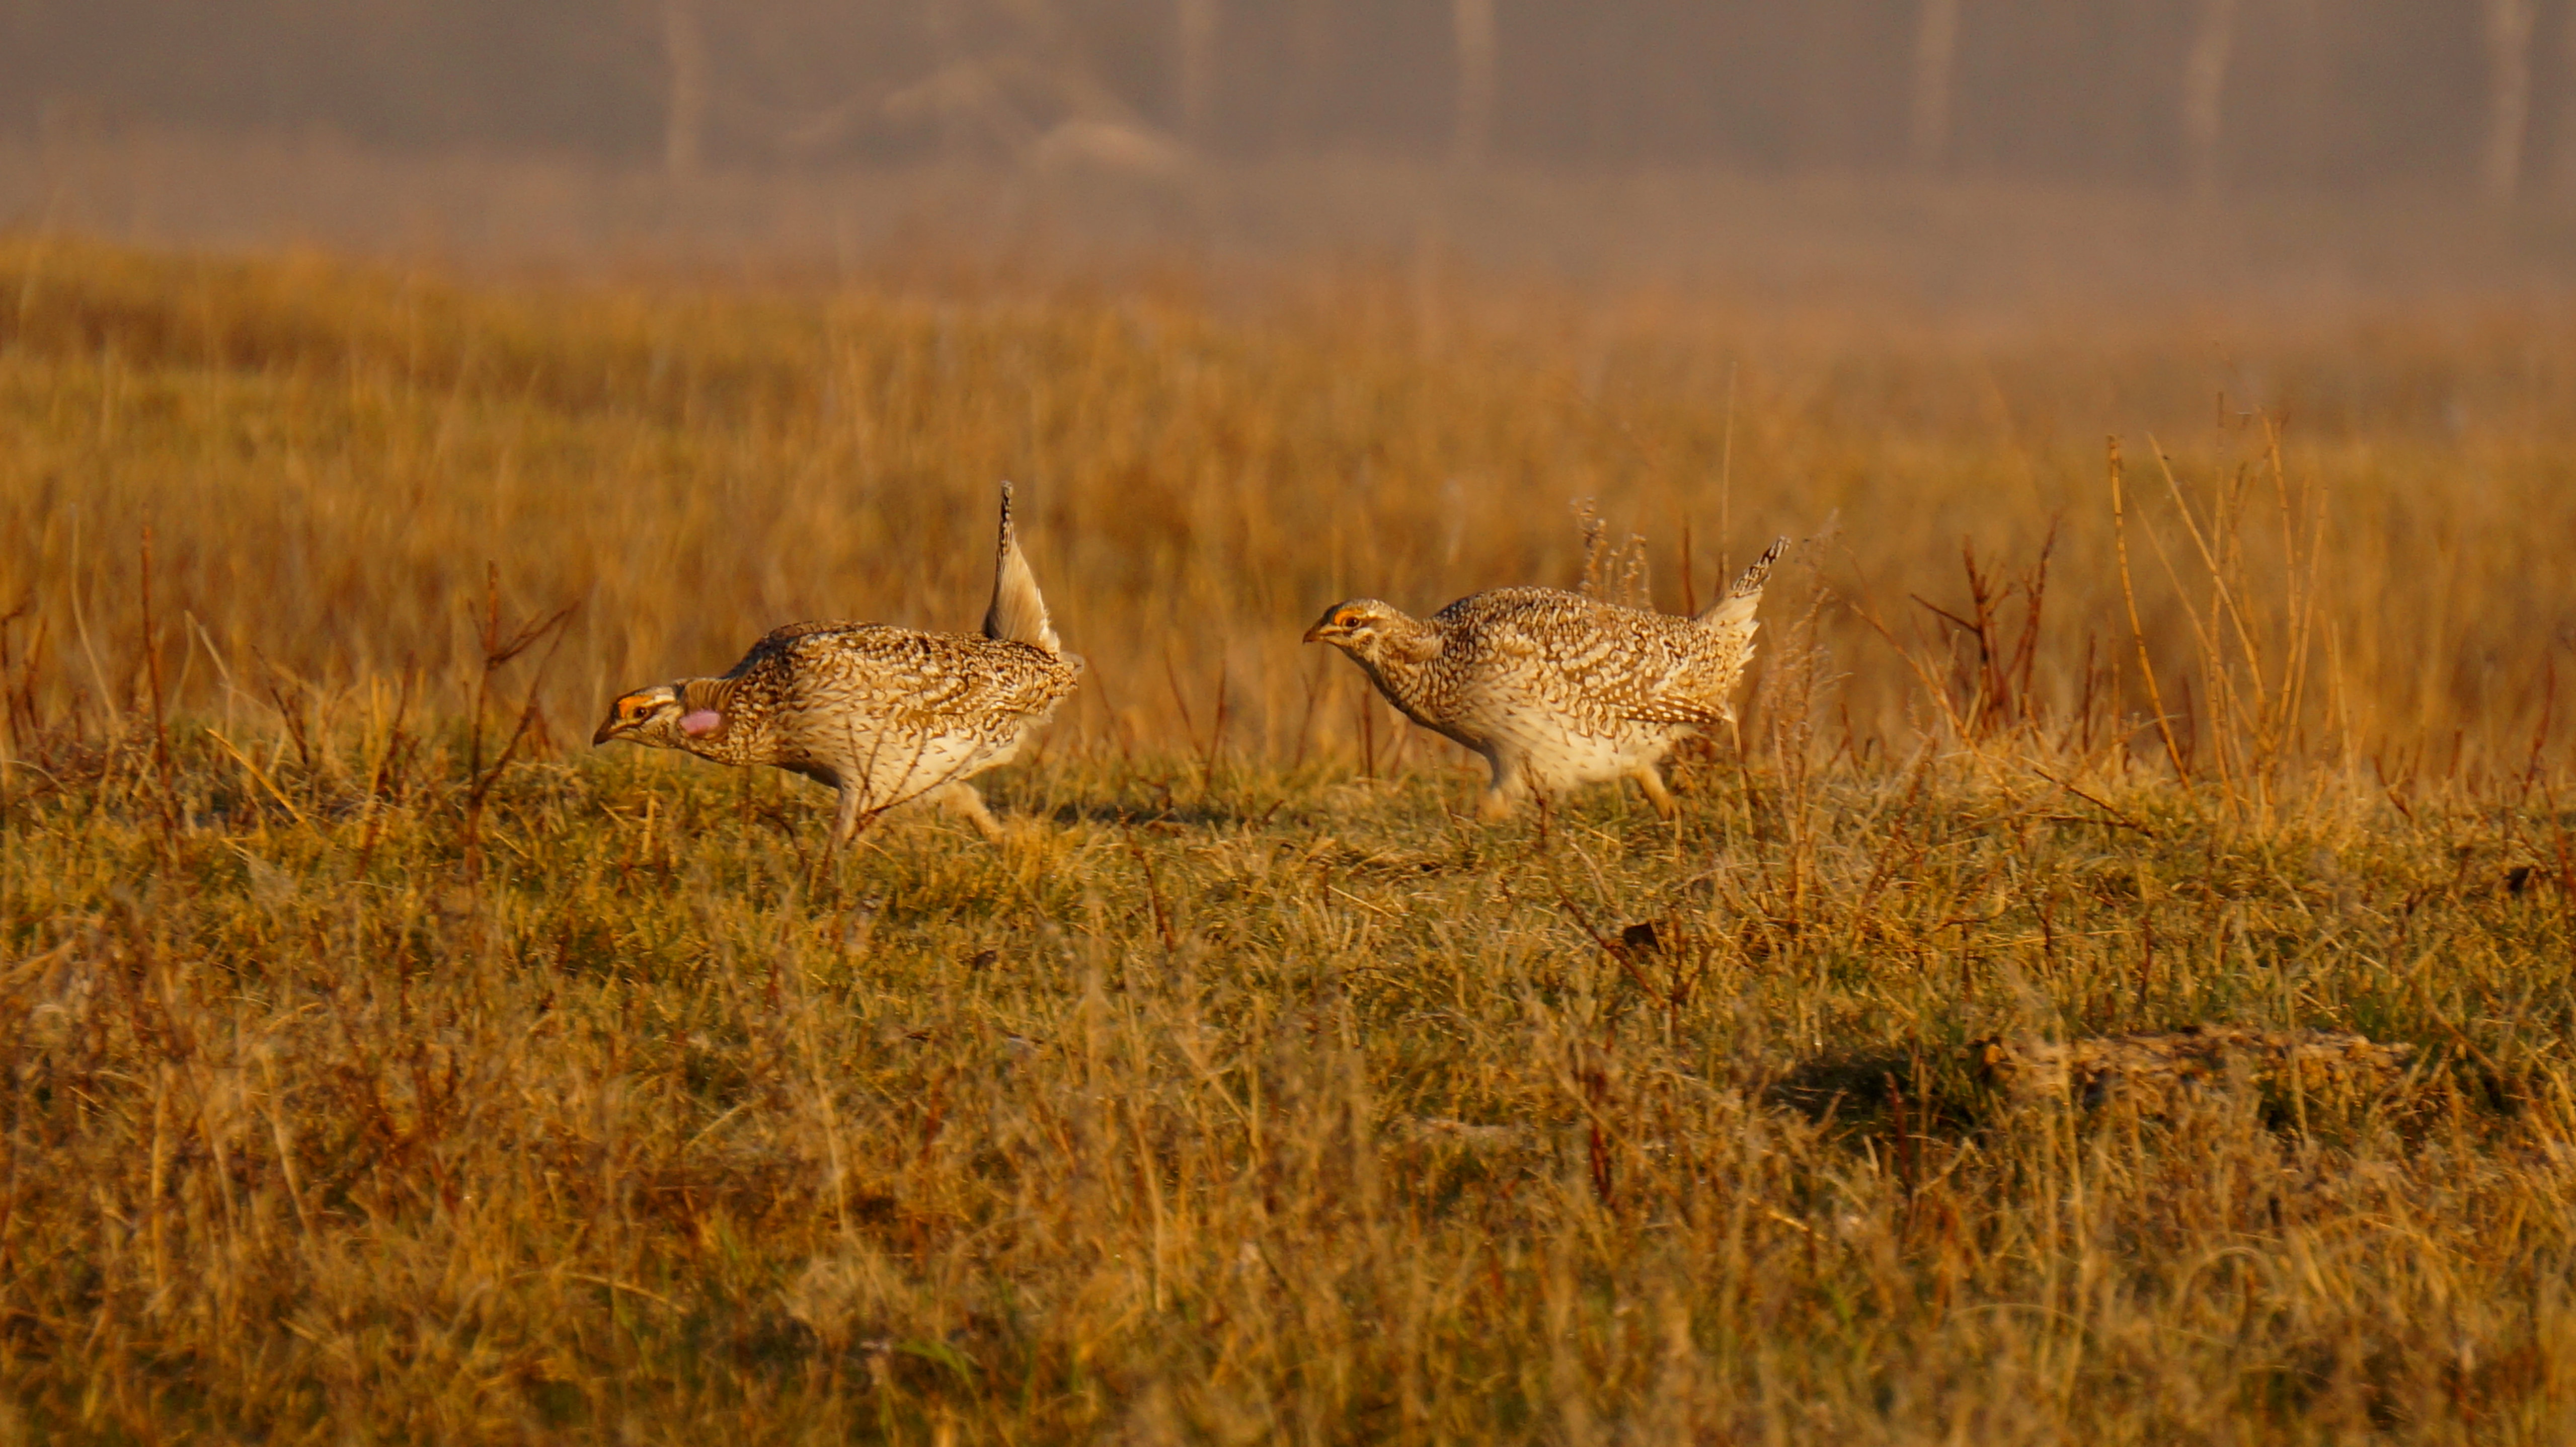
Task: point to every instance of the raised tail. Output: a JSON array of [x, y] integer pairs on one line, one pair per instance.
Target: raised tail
[[1019, 613], [1735, 610]]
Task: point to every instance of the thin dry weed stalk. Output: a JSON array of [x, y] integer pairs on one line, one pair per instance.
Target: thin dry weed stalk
[[2137, 631], [500, 648]]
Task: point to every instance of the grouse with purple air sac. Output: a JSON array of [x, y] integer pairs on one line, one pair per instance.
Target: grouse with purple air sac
[[884, 715]]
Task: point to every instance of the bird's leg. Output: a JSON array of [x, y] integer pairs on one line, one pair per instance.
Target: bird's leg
[[961, 798], [1652, 781], [1502, 797], [851, 819]]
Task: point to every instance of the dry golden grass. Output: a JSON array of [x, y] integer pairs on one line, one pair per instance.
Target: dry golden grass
[[332, 456], [375, 1071]]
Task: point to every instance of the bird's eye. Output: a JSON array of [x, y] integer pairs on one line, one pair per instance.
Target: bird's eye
[[1349, 618]]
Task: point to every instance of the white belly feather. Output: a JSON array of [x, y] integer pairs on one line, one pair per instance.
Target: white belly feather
[[1555, 754]]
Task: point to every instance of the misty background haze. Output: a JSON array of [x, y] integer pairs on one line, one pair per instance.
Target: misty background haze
[[339, 119]]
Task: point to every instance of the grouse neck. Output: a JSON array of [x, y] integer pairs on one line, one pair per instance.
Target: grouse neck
[[1398, 663], [744, 737], [1410, 641]]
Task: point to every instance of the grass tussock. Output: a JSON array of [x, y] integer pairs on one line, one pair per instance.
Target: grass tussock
[[373, 1068]]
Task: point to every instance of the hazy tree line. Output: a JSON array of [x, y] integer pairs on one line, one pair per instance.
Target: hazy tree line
[[2196, 93]]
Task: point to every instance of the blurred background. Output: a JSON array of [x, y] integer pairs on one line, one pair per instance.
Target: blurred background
[[1945, 151]]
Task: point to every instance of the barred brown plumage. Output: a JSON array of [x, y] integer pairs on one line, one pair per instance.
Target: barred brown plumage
[[1555, 689], [885, 715]]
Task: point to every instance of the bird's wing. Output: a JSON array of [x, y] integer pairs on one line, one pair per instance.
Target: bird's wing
[[1594, 661], [924, 680], [777, 648]]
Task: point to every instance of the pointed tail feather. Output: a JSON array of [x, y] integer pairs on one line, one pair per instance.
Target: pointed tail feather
[[1019, 613], [1745, 594]]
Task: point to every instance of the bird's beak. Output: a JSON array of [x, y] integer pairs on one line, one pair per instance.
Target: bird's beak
[[1319, 632], [606, 732]]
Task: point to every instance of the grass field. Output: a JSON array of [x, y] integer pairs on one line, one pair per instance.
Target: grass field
[[383, 1066]]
